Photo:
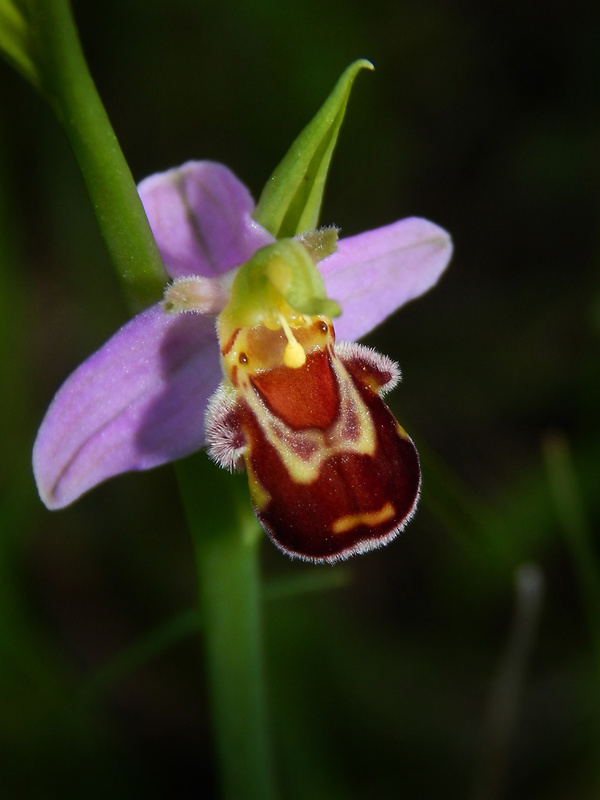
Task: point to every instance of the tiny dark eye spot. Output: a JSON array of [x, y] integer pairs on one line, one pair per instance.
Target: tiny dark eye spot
[[322, 326], [243, 358]]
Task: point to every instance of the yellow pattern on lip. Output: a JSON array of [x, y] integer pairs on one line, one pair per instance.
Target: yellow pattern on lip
[[370, 518], [327, 444]]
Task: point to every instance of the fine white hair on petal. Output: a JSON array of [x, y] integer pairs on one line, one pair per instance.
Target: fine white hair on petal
[[383, 369], [225, 440], [195, 294]]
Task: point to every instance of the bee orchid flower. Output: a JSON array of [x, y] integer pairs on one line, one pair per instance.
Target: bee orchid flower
[[241, 355]]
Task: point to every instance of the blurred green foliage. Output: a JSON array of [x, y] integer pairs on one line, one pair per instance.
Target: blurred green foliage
[[478, 117]]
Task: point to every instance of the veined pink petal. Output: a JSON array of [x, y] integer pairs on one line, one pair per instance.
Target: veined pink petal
[[200, 215], [373, 274], [137, 402]]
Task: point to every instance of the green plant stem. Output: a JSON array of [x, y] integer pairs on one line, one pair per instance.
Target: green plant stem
[[67, 84], [226, 537], [223, 528]]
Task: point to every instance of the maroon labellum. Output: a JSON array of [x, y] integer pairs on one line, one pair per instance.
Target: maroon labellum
[[331, 472]]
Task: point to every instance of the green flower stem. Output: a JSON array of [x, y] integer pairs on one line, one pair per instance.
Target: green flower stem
[[224, 530], [226, 537], [67, 84]]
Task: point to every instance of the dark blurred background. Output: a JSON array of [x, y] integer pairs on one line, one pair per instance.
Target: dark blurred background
[[484, 118]]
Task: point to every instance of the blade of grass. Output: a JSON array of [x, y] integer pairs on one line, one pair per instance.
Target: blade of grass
[[188, 622], [570, 514], [507, 687]]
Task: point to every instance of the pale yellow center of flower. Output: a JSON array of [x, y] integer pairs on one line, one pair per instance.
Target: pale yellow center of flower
[[294, 355]]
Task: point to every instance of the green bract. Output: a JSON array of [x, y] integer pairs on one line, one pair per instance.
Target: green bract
[[291, 200]]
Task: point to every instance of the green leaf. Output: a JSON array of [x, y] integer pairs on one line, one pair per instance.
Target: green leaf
[[15, 41], [291, 200]]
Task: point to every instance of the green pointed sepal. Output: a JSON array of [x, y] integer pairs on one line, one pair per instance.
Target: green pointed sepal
[[291, 200]]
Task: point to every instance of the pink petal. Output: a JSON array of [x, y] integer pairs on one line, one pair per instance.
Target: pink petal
[[137, 402], [200, 215], [373, 274]]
